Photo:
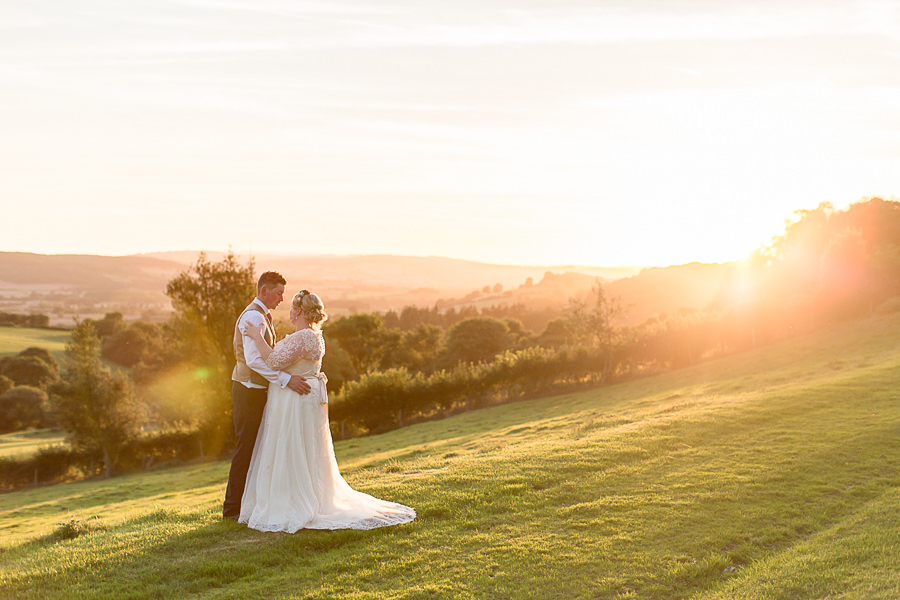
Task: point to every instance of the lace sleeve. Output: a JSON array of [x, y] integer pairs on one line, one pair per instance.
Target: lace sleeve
[[292, 348], [285, 353]]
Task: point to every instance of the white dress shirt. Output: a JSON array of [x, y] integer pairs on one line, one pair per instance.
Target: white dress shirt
[[254, 359]]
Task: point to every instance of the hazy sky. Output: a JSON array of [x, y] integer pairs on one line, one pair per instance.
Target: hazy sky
[[531, 131]]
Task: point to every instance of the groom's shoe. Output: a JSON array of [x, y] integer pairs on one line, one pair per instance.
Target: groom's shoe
[[229, 518]]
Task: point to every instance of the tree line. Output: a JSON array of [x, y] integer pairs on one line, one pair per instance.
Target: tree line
[[17, 320]]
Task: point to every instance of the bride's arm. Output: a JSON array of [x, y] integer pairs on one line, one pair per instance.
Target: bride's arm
[[261, 344], [286, 352]]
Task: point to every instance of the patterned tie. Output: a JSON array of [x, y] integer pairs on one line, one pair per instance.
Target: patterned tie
[[270, 336]]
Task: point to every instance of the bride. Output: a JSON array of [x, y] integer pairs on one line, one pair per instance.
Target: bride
[[294, 481]]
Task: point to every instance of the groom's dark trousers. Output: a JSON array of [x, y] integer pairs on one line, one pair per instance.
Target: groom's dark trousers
[[247, 406]]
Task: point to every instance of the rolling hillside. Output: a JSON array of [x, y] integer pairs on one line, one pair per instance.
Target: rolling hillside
[[767, 475]]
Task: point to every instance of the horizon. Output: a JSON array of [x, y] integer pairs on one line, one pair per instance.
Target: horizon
[[216, 253], [526, 132]]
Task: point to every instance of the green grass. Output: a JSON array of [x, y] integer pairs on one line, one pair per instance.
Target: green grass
[[768, 475], [16, 339], [26, 443]]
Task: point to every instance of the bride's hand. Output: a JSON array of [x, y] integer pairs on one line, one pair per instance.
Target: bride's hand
[[254, 334]]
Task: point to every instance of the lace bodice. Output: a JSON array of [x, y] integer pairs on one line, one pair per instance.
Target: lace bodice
[[300, 353]]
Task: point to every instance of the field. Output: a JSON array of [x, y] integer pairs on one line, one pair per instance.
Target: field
[[21, 443], [768, 475], [16, 339]]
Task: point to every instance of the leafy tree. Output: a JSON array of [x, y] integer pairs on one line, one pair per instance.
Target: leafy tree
[[411, 317], [423, 345], [108, 325], [521, 337], [135, 343], [476, 339], [391, 320], [22, 407], [362, 338], [555, 335], [595, 325], [29, 367], [415, 350], [43, 354], [5, 384], [208, 298], [96, 407], [338, 366]]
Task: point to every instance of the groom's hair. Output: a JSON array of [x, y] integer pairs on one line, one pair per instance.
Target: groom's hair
[[270, 279]]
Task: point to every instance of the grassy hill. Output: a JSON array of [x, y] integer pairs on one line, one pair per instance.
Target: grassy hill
[[768, 475]]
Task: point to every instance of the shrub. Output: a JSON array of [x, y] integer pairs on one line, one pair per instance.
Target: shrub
[[22, 407], [381, 398], [28, 369]]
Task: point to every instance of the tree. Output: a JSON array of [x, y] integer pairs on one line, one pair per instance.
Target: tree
[[22, 407], [555, 335], [132, 344], [476, 339], [520, 337], [423, 346], [5, 384], [30, 367], [43, 354], [415, 350], [108, 325], [338, 366], [208, 298], [594, 325], [96, 407], [361, 336]]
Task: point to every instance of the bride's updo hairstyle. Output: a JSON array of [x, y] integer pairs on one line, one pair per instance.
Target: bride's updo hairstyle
[[311, 307]]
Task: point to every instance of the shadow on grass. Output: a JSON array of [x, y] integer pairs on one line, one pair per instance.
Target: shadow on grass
[[167, 553]]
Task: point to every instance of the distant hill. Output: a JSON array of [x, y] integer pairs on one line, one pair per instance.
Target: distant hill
[[650, 293], [70, 284], [384, 282], [666, 290], [552, 290], [86, 285], [87, 272], [379, 270]]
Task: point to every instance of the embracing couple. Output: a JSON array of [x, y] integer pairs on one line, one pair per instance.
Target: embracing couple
[[284, 476]]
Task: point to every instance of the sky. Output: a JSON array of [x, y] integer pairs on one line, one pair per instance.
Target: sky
[[544, 132]]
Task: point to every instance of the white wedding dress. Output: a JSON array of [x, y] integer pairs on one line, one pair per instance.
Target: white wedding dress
[[294, 482]]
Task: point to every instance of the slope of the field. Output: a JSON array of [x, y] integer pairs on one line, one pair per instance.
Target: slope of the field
[[15, 339], [767, 475]]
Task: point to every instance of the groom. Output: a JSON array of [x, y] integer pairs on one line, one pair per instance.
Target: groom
[[250, 382]]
